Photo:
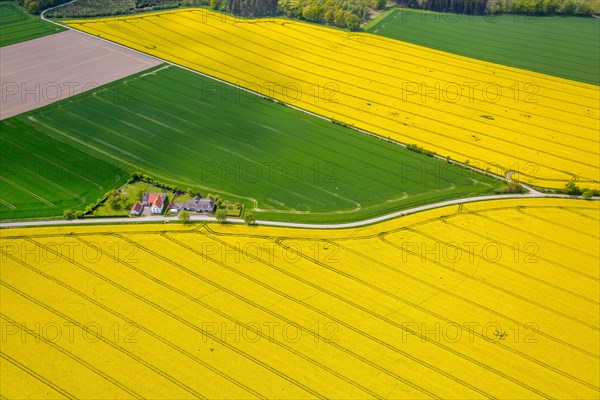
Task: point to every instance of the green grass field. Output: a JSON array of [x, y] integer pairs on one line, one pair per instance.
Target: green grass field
[[568, 47], [41, 176], [194, 132], [16, 25]]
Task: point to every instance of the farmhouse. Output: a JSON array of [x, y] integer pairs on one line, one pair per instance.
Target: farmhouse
[[136, 209], [156, 201], [198, 204]]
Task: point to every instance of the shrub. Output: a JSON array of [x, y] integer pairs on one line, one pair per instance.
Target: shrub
[[339, 18], [352, 21], [184, 216], [249, 218], [69, 214], [417, 149], [510, 188], [572, 188], [221, 216], [378, 4], [33, 7], [587, 194]]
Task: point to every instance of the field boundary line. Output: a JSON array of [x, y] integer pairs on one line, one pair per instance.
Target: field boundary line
[[454, 295], [24, 190], [532, 192], [43, 16], [183, 321], [100, 337], [7, 204], [142, 328], [370, 221], [232, 318], [68, 353], [364, 122], [35, 375], [312, 309]]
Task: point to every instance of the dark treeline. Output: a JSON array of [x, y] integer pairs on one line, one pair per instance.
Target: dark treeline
[[98, 8], [34, 6], [451, 6], [342, 13], [251, 8], [140, 4], [537, 7]]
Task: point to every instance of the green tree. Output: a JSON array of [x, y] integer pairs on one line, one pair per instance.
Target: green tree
[[551, 6], [511, 187], [252, 8], [184, 216], [33, 7], [249, 218], [221, 215], [378, 4], [139, 194], [328, 16], [69, 214], [114, 199], [352, 21], [339, 18], [583, 8], [311, 13], [572, 188], [567, 7], [78, 214]]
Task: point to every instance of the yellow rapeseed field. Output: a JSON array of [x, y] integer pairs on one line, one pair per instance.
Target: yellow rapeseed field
[[476, 301], [491, 116]]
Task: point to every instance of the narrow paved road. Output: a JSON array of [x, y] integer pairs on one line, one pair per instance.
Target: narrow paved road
[[199, 218]]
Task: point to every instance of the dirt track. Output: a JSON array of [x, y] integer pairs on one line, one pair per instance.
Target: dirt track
[[45, 70]]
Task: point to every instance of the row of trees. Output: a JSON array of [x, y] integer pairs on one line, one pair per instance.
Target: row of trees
[[468, 7], [342, 13], [96, 8], [333, 12], [573, 189], [34, 6], [564, 7], [246, 8], [537, 7]]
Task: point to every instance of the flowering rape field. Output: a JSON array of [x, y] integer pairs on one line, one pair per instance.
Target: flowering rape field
[[493, 117], [473, 301]]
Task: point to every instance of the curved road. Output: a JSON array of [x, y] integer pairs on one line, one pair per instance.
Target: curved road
[[160, 219], [200, 218]]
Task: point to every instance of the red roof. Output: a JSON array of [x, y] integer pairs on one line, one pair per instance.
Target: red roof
[[158, 201], [137, 207], [152, 197]]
